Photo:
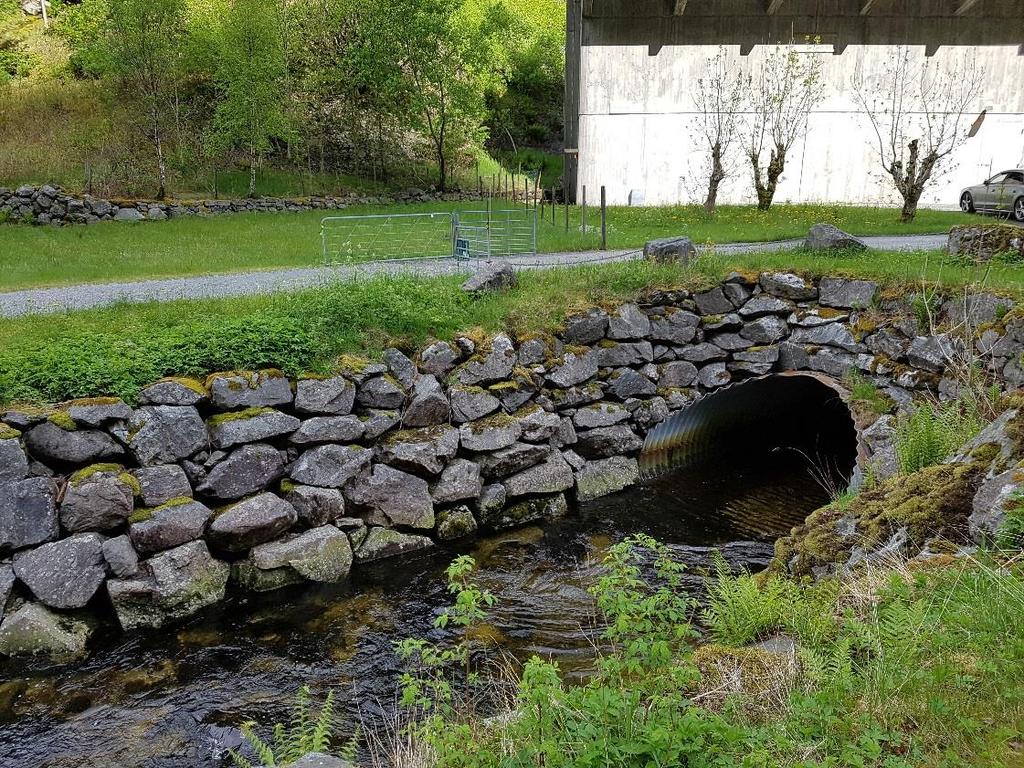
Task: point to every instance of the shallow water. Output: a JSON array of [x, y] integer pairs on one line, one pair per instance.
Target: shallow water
[[175, 697]]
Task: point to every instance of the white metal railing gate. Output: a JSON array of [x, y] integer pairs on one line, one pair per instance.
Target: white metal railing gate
[[404, 236]]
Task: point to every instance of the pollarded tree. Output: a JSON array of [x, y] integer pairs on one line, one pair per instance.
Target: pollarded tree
[[720, 97], [251, 74], [144, 44], [919, 112], [785, 89]]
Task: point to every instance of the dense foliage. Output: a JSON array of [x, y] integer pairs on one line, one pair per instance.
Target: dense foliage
[[399, 91]]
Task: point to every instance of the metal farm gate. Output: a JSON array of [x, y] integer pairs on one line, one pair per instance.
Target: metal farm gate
[[460, 235]]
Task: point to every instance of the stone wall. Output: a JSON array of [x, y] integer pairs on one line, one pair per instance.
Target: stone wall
[[52, 205], [261, 481]]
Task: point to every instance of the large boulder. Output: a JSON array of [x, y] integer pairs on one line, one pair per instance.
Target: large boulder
[[847, 294], [173, 585], [492, 276], [34, 629], [438, 359], [316, 506], [674, 327], [97, 412], [174, 391], [319, 554], [490, 365], [97, 498], [332, 396], [249, 426], [586, 328], [28, 513], [508, 461], [823, 237], [170, 525], [121, 557], [387, 542], [574, 367], [64, 574], [13, 462], [428, 406], [608, 441], [259, 389], [628, 324], [161, 483], [551, 476], [49, 442], [330, 466], [490, 434], [471, 403], [328, 429], [786, 285], [165, 434], [251, 522], [600, 478], [670, 250], [381, 392], [455, 523], [246, 470], [425, 451], [391, 497], [459, 481]]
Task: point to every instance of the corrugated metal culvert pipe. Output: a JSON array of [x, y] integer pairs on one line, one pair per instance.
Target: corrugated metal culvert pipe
[[801, 412]]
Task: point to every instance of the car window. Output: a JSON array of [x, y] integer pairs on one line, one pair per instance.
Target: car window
[[999, 178], [1014, 177]]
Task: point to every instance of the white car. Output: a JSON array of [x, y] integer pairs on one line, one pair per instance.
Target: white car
[[1003, 193]]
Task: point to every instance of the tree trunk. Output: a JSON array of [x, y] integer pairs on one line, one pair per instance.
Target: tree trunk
[[443, 169], [252, 172], [161, 192], [766, 191], [717, 176]]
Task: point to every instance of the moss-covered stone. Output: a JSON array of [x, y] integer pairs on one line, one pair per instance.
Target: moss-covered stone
[[934, 501], [8, 432], [248, 413], [94, 469], [63, 420]]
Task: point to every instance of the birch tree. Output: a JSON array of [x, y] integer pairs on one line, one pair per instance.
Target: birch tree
[[144, 43], [920, 111], [720, 96], [251, 76], [784, 90]]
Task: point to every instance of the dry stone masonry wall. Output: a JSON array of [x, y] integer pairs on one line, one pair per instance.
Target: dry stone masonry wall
[[50, 204], [251, 480]]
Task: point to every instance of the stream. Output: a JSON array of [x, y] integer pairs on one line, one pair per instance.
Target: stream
[[174, 697]]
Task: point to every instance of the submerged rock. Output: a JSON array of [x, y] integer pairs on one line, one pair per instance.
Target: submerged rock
[[387, 542], [34, 629], [600, 478]]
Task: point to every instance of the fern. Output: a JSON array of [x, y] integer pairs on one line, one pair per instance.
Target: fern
[[301, 736], [740, 610], [931, 432]]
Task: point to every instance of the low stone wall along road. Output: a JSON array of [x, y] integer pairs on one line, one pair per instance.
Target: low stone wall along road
[[89, 296]]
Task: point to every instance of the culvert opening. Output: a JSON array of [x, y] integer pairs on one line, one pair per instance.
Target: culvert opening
[[754, 458]]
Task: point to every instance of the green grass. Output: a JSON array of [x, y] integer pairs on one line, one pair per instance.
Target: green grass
[[116, 350], [110, 252], [909, 667]]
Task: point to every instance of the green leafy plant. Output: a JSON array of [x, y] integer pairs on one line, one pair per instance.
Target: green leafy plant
[[306, 732], [930, 432], [739, 609]]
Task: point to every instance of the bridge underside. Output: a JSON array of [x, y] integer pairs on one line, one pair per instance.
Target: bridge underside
[[795, 412]]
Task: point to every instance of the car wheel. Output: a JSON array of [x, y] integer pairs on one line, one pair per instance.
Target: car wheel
[[1018, 209], [967, 203]]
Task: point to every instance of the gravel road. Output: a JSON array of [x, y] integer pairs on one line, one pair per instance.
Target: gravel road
[[91, 295]]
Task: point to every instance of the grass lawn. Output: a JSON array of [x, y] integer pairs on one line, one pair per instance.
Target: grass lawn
[[118, 349], [112, 252]]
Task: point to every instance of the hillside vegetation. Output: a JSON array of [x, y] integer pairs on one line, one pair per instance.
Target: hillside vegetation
[[153, 97]]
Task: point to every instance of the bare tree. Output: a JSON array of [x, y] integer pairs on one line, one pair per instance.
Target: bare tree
[[785, 89], [919, 112], [720, 97]]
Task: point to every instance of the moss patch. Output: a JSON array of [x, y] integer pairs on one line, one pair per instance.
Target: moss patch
[[62, 420], [934, 501], [95, 469], [248, 413], [8, 432], [191, 384], [141, 515]]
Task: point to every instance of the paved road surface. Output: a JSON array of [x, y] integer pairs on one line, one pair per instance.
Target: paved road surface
[[87, 296]]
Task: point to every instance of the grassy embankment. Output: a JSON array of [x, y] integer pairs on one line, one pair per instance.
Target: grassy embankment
[[116, 350], [109, 252]]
